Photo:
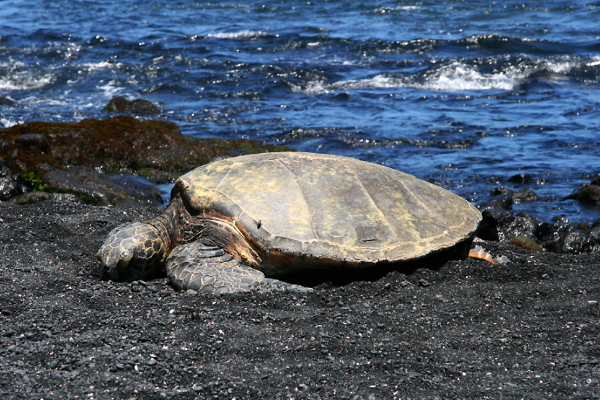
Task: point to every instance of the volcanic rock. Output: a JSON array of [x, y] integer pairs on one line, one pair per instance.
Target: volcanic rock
[[121, 105], [525, 196], [578, 242], [5, 101], [589, 194], [521, 178], [502, 201], [8, 183], [49, 153]]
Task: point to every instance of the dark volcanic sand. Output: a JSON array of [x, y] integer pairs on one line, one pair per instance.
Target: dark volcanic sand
[[528, 329]]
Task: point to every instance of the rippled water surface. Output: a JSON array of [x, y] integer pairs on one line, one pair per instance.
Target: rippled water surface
[[461, 93]]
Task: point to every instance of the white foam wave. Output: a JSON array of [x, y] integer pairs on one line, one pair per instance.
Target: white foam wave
[[35, 99], [15, 77], [7, 123], [12, 64], [99, 66], [456, 76], [238, 35], [319, 87], [595, 62], [566, 64], [25, 81], [459, 76], [110, 89], [314, 87], [384, 10]]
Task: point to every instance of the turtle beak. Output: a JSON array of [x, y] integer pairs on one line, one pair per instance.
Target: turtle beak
[[115, 267], [111, 274], [120, 275]]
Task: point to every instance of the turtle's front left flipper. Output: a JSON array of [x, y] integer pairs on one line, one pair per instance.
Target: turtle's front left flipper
[[209, 269]]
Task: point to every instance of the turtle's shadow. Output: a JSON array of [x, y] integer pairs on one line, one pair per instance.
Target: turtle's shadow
[[342, 276]]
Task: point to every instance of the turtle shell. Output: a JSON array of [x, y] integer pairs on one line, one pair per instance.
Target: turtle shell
[[303, 209]]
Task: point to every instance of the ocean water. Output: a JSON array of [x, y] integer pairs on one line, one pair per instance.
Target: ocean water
[[464, 94]]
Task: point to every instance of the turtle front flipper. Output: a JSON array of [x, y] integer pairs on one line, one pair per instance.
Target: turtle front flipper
[[209, 269]]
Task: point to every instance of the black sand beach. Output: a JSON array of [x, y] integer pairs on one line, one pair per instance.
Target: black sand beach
[[527, 329]]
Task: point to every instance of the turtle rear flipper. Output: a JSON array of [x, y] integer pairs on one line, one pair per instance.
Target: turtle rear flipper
[[480, 253], [209, 269]]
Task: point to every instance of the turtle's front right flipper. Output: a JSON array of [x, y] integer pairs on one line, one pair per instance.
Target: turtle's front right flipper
[[209, 269]]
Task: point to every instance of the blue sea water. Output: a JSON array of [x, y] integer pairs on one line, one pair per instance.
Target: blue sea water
[[464, 94]]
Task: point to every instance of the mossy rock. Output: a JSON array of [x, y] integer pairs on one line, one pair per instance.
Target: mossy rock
[[589, 194], [156, 150], [118, 144]]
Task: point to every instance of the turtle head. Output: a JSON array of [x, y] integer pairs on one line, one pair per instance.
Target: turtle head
[[133, 251]]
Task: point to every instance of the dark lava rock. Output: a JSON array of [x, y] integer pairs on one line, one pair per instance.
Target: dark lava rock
[[122, 143], [502, 190], [35, 140], [502, 226], [589, 194], [156, 150], [595, 233], [521, 178], [525, 196], [525, 231], [506, 197], [578, 242], [103, 189], [525, 329], [36, 197], [492, 221], [121, 105], [523, 225], [8, 183], [561, 219], [502, 201], [4, 101], [550, 235]]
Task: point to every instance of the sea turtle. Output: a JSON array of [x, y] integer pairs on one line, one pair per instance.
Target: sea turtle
[[234, 223]]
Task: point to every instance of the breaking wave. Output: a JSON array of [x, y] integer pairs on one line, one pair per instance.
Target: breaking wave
[[457, 76], [25, 81], [239, 35]]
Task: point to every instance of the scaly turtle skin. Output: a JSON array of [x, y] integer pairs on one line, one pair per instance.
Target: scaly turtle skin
[[234, 222]]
